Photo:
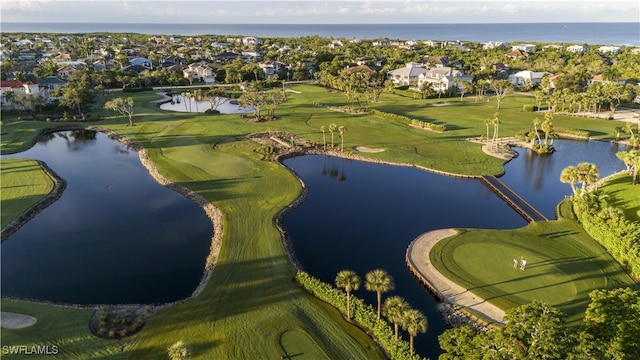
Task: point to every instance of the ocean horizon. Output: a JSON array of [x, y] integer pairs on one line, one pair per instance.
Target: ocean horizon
[[620, 34]]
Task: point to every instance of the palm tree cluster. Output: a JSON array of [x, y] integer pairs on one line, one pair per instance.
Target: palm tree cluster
[[585, 173], [332, 129], [396, 309]]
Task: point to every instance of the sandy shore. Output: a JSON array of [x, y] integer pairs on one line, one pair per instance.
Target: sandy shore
[[418, 257]]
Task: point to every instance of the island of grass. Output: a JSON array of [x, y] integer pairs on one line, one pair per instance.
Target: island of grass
[[250, 301], [563, 265]]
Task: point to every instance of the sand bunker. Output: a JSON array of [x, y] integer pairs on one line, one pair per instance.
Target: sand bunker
[[368, 150], [9, 320]]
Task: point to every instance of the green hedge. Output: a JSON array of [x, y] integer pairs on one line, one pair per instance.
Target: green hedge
[[362, 313], [609, 227], [408, 120], [574, 132], [406, 93]]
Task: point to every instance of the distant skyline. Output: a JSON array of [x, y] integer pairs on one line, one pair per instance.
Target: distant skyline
[[317, 12]]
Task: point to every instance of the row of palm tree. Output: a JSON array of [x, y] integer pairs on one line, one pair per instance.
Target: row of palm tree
[[396, 309], [332, 129]]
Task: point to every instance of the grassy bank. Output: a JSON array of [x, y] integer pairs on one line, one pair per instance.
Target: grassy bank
[[23, 184], [563, 266], [250, 305]]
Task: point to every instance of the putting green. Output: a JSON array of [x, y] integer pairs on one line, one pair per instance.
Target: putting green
[[563, 265], [540, 280]]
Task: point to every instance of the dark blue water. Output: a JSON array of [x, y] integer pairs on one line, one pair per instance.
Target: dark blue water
[[362, 216], [537, 178], [581, 33], [115, 236]]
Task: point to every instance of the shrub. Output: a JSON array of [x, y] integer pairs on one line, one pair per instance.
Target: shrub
[[528, 108], [364, 314], [179, 351], [409, 121], [607, 225]]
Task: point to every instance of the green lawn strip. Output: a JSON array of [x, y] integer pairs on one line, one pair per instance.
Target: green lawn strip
[[22, 183], [624, 196], [64, 328], [298, 344], [563, 265], [250, 298]]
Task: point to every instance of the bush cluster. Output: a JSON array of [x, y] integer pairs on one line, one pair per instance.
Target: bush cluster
[[609, 226], [362, 313], [574, 132], [138, 89], [408, 121], [406, 93]]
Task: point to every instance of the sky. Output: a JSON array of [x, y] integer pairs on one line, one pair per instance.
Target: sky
[[318, 12]]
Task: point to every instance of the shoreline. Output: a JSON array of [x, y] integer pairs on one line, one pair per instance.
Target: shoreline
[[419, 264], [212, 212]]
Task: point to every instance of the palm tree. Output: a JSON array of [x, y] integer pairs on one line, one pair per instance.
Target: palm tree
[[536, 122], [496, 129], [487, 123], [570, 175], [342, 129], [394, 309], [414, 322], [324, 138], [588, 173], [379, 281], [348, 280], [332, 129]]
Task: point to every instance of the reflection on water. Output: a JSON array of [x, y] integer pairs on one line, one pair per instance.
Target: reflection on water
[[186, 104], [115, 236]]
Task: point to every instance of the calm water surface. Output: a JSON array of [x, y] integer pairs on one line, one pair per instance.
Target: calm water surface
[[115, 236], [362, 216]]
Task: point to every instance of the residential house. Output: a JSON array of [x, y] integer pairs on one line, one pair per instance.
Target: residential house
[[144, 62], [200, 71], [50, 84], [66, 71], [528, 48], [517, 54], [407, 75], [271, 68], [173, 60], [430, 43], [250, 55], [226, 56], [488, 45], [600, 78], [437, 61], [578, 48], [17, 88], [609, 49], [250, 40], [527, 78], [443, 79], [553, 46]]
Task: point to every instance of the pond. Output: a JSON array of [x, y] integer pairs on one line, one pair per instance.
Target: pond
[[115, 236], [180, 104], [362, 216]]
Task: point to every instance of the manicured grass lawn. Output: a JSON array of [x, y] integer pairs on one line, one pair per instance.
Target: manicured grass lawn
[[22, 184], [624, 195], [563, 265], [299, 345], [250, 300]]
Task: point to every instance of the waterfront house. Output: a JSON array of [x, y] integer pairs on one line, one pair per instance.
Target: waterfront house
[[609, 49]]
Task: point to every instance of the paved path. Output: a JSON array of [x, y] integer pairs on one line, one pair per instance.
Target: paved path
[[418, 257]]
